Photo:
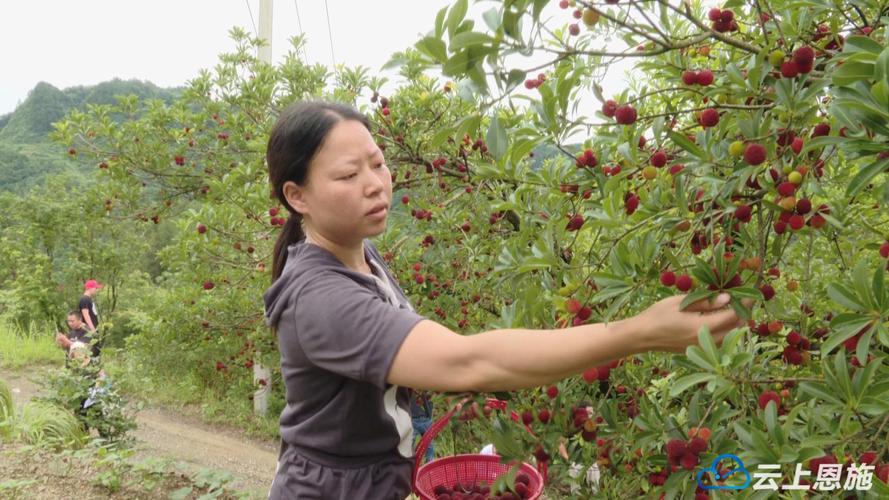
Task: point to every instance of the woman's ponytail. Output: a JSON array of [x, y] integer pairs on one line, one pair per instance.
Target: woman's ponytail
[[291, 233]]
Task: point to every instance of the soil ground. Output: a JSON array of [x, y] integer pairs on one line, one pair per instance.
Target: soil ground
[[163, 433]]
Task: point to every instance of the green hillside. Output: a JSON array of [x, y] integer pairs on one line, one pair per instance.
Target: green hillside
[[27, 154]]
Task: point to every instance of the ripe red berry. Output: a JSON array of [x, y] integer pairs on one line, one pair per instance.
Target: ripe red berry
[[817, 221], [767, 396], [709, 117], [179, 160], [882, 473], [715, 14], [202, 229], [884, 250], [574, 29], [794, 338], [208, 285], [684, 283], [688, 461], [609, 108], [697, 445], [820, 130], [675, 449], [743, 213], [405, 199], [796, 222], [625, 115], [543, 416], [575, 223], [590, 375], [786, 188], [755, 154], [796, 145], [803, 206], [705, 77], [668, 278], [632, 204], [689, 77], [584, 313], [868, 457], [804, 56], [816, 463], [527, 417], [767, 291], [789, 69], [659, 159]]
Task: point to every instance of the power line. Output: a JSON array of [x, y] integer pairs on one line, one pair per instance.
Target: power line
[[255, 33], [301, 32], [330, 35]]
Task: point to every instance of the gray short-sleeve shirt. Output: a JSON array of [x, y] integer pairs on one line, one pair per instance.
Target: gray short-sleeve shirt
[[338, 332]]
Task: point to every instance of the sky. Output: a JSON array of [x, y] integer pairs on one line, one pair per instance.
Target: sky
[[67, 43]]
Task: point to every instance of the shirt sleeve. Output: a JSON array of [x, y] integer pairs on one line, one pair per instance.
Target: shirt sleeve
[[347, 329], [84, 303]]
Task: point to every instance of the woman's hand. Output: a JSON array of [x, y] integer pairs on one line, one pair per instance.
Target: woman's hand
[[666, 327]]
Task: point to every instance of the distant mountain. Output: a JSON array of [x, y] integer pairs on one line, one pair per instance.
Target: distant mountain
[[26, 152]]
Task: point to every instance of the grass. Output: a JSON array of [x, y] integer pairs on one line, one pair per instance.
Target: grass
[[19, 349]]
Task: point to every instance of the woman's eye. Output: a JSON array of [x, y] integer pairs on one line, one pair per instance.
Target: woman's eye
[[380, 165]]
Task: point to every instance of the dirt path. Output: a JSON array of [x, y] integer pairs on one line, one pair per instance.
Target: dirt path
[[186, 440]]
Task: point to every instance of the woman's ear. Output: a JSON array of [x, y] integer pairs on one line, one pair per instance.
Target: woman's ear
[[295, 196]]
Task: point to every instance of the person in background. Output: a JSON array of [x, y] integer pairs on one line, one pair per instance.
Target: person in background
[[90, 312], [421, 419], [77, 336]]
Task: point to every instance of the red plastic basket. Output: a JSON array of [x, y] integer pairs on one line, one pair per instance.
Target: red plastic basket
[[465, 469]]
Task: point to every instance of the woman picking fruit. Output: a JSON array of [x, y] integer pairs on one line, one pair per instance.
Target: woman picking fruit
[[351, 344]]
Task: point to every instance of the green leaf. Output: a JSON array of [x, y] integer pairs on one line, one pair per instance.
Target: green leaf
[[820, 391], [439, 22], [467, 39], [745, 293], [858, 43], [695, 296], [852, 72], [682, 141], [496, 138], [881, 67], [492, 18], [707, 345], [434, 48], [457, 65], [679, 386], [844, 326], [820, 142], [865, 175], [456, 15], [844, 297], [696, 356]]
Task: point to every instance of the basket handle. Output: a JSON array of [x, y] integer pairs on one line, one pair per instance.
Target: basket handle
[[430, 434]]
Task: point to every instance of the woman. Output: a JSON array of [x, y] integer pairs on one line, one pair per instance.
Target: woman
[[351, 344]]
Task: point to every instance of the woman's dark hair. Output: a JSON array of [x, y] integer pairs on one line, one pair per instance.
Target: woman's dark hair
[[295, 139]]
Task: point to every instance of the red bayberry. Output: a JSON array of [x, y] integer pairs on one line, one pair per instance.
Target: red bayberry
[[709, 117], [705, 77], [625, 115], [755, 154], [767, 396]]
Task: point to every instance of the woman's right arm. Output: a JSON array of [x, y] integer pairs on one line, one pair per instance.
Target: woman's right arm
[[436, 358]]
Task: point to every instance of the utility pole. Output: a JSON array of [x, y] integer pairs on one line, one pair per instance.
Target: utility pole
[[260, 372]]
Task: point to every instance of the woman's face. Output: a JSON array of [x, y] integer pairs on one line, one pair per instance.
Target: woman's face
[[348, 179]]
